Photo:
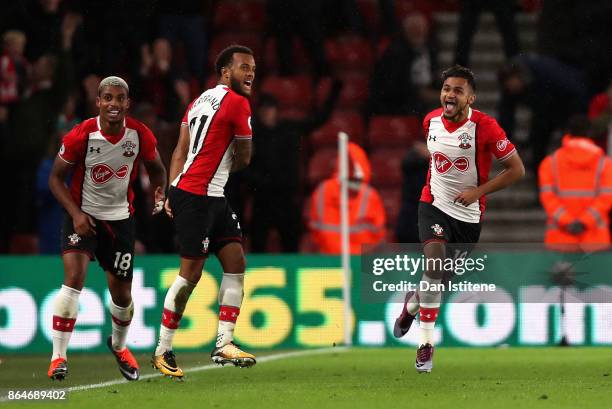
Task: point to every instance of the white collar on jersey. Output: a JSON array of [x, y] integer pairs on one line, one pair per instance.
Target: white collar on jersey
[[469, 115]]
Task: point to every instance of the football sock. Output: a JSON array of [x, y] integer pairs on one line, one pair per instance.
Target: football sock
[[122, 317], [65, 312], [174, 306], [230, 300], [428, 309]]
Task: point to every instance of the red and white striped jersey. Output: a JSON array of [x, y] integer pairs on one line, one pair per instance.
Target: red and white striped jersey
[[461, 155], [106, 166], [215, 119]]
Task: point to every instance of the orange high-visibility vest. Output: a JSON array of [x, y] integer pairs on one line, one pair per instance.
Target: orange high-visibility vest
[[365, 207], [576, 185], [366, 217]]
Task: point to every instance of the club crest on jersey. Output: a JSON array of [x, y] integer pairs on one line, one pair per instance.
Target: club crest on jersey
[[102, 173], [502, 145], [74, 239], [464, 141], [437, 230], [443, 163], [205, 244], [128, 148]]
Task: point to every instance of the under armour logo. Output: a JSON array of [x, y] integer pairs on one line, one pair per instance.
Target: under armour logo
[[432, 138], [92, 149]]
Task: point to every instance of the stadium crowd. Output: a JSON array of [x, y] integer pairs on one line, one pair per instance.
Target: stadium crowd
[[363, 66]]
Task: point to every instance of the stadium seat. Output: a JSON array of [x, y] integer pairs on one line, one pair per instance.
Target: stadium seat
[[391, 198], [222, 40], [291, 92], [352, 53], [350, 122], [244, 15], [292, 113], [354, 91], [321, 165], [393, 131], [301, 61], [387, 167], [369, 10], [23, 243]]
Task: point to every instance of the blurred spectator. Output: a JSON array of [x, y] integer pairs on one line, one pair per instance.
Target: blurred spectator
[[576, 191], [183, 21], [128, 25], [578, 33], [600, 113], [414, 173], [89, 89], [274, 170], [68, 118], [343, 16], [34, 123], [14, 68], [155, 232], [43, 26], [402, 80], [160, 83], [50, 212], [468, 23], [288, 18], [365, 207], [550, 89]]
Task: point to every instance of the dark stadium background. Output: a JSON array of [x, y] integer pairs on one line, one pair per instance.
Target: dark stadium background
[[70, 45]]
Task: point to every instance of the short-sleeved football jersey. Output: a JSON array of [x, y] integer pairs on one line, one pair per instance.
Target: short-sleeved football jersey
[[106, 165], [215, 119], [461, 155]]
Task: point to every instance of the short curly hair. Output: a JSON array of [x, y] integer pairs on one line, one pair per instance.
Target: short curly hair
[[226, 56]]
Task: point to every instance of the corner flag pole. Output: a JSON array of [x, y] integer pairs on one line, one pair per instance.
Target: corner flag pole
[[344, 234]]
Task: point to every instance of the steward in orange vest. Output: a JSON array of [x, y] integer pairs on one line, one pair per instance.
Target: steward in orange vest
[[576, 192], [365, 207]]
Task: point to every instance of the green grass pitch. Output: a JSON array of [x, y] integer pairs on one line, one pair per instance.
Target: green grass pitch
[[355, 378]]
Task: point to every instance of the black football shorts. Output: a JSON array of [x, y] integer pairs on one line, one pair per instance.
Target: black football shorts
[[204, 224], [435, 225], [113, 245]]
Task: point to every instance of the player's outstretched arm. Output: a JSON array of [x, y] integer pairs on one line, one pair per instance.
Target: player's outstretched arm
[[242, 154], [83, 223], [157, 177], [514, 170]]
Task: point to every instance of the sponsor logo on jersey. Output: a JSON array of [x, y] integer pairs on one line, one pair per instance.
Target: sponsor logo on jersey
[[437, 230], [128, 148], [74, 239], [443, 163], [431, 138], [464, 140], [102, 173], [205, 244], [92, 149], [502, 145]]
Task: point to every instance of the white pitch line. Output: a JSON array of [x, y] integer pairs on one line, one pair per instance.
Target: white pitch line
[[267, 358]]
